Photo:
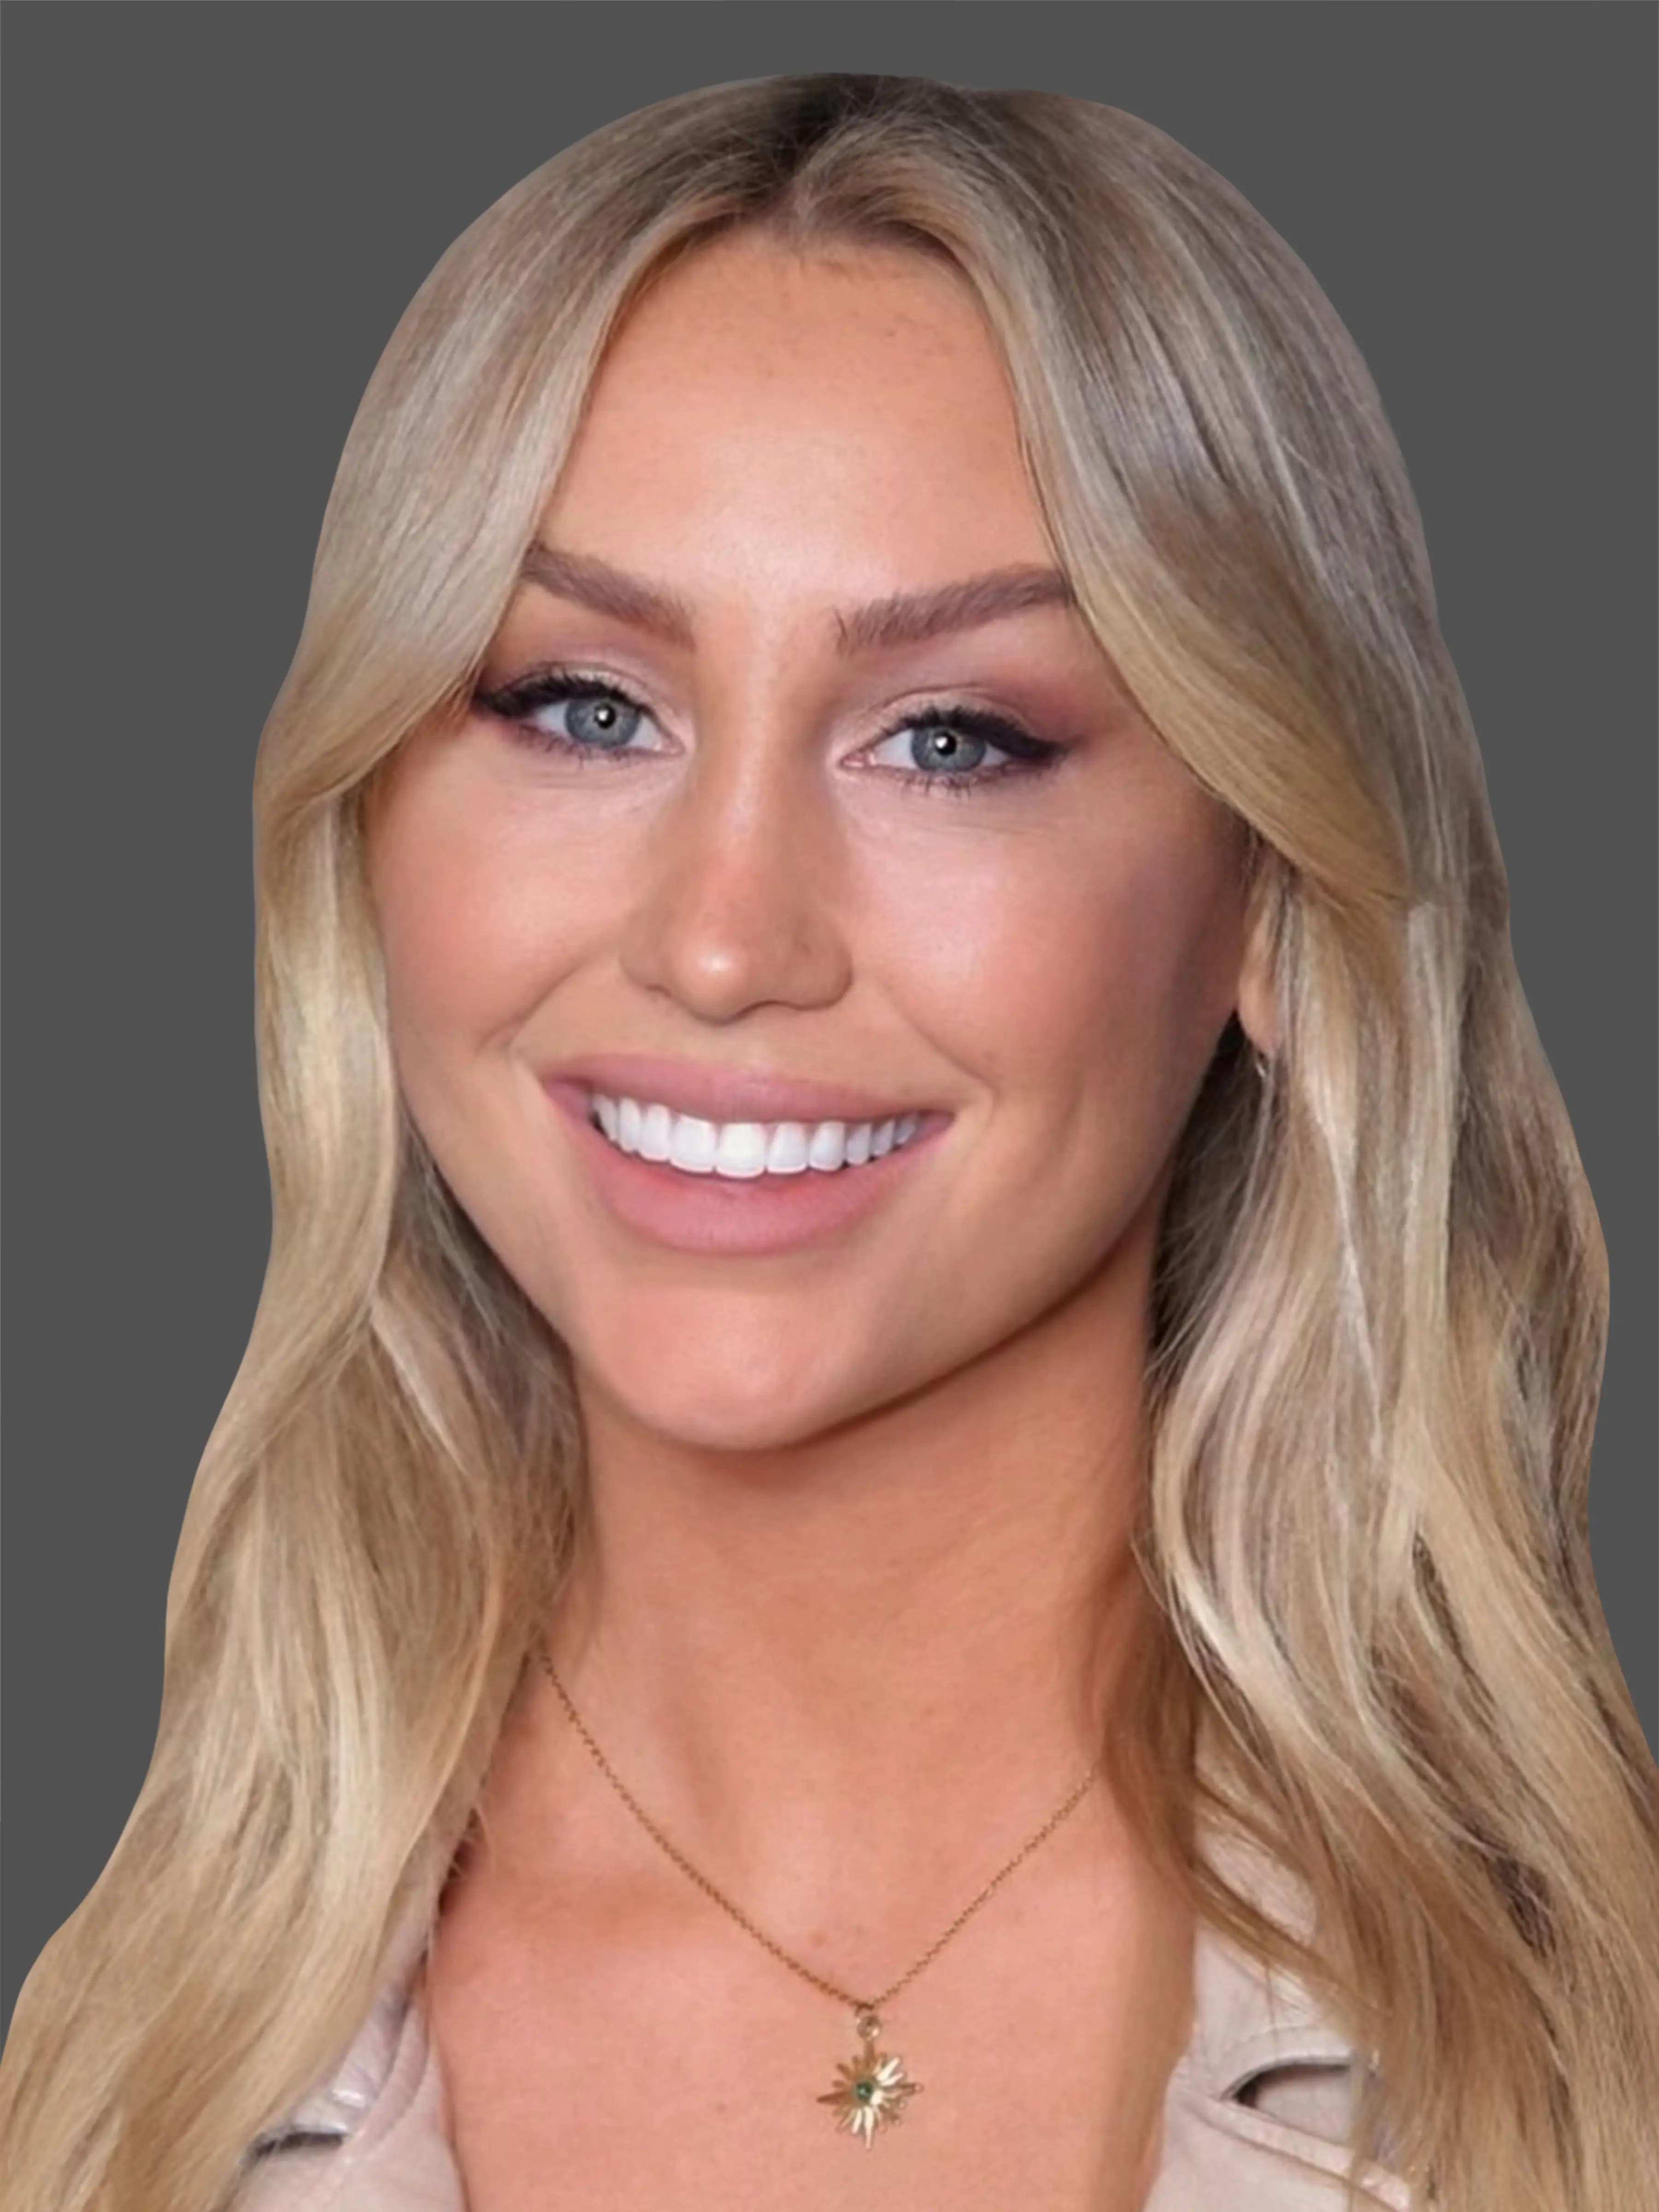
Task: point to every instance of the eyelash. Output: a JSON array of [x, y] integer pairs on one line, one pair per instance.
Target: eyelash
[[1028, 755]]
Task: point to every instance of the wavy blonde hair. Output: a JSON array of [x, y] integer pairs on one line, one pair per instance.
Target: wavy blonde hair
[[1381, 1295]]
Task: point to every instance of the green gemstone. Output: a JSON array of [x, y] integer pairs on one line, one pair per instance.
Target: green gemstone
[[864, 2090]]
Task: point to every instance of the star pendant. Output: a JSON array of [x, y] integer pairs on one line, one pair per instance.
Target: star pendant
[[872, 2089]]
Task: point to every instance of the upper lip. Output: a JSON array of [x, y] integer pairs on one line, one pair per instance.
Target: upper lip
[[725, 1094]]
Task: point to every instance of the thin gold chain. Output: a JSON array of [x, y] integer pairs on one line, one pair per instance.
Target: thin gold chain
[[819, 1981]]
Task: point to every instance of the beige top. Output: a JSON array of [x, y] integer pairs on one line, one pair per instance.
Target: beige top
[[1255, 2118]]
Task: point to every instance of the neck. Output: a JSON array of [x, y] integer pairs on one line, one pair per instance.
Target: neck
[[896, 1643]]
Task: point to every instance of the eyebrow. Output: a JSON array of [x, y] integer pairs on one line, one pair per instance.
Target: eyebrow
[[902, 618]]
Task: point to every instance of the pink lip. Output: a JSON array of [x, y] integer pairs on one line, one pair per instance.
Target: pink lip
[[722, 1215], [719, 1094]]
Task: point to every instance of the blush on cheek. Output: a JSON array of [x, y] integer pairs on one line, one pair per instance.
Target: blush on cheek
[[470, 915], [1105, 978]]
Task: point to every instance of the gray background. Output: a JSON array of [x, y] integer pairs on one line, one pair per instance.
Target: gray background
[[214, 215]]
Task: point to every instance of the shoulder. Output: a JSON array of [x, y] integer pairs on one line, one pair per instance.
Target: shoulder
[[1261, 2103], [1260, 2107], [373, 2137], [1256, 2117]]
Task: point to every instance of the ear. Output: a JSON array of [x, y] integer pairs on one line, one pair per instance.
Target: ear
[[1257, 1006]]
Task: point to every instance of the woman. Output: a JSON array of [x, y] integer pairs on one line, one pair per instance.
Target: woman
[[915, 1447]]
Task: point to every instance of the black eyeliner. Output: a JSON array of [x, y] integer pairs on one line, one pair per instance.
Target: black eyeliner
[[1008, 737], [547, 687], [552, 684]]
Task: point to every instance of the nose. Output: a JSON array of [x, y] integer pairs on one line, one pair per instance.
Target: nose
[[737, 906]]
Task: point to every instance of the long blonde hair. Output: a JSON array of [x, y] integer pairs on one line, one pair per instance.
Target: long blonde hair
[[1381, 1298]]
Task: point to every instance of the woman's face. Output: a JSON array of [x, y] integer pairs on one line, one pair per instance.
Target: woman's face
[[837, 833]]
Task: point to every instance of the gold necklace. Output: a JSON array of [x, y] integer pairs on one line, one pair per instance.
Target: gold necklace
[[871, 2089]]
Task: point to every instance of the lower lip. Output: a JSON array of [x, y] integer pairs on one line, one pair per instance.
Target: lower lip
[[728, 1215]]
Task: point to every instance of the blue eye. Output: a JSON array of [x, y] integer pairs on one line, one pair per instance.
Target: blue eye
[[943, 745], [603, 717], [948, 746]]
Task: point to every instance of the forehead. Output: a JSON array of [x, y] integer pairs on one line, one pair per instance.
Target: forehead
[[763, 406]]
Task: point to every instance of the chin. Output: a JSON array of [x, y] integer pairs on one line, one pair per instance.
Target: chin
[[723, 1417], [723, 1389]]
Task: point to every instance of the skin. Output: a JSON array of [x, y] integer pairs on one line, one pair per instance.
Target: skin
[[861, 1511]]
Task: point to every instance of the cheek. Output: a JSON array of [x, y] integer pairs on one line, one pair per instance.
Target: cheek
[[1057, 968], [450, 968], [475, 924]]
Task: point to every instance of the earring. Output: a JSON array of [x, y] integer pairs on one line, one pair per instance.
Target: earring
[[1263, 1066]]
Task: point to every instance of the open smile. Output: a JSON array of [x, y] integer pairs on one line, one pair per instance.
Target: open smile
[[743, 1149], [737, 1189]]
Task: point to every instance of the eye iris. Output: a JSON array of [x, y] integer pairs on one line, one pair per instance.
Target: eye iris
[[936, 744], [602, 720]]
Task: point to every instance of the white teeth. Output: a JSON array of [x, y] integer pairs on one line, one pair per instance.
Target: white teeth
[[786, 1153], [743, 1149], [691, 1144], [826, 1147]]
